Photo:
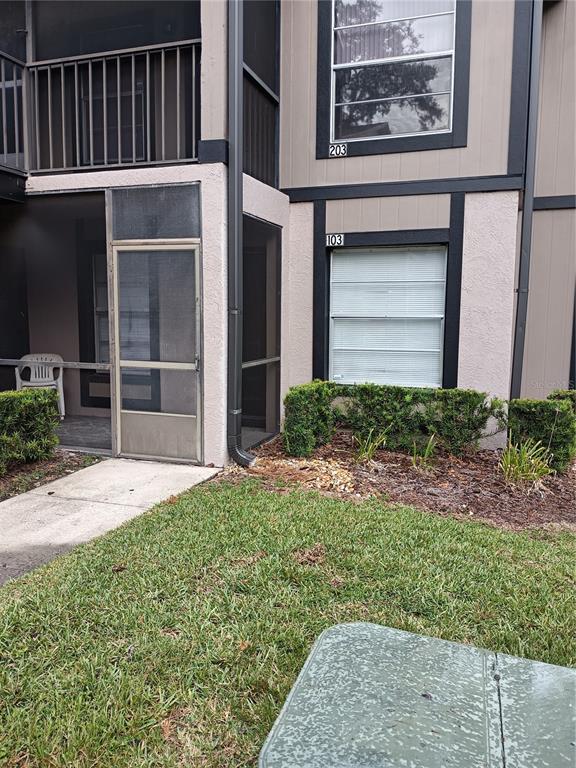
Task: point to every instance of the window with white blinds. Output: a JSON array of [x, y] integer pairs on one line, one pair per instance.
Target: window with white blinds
[[387, 315]]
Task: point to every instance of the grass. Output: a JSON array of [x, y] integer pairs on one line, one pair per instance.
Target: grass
[[175, 639]]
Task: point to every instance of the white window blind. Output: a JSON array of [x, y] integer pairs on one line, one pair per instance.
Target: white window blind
[[387, 315]]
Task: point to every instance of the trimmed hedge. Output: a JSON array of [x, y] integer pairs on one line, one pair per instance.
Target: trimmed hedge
[[567, 395], [552, 422], [28, 420], [309, 416], [408, 415]]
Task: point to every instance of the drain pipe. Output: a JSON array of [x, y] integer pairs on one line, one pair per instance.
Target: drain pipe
[[235, 208], [528, 202]]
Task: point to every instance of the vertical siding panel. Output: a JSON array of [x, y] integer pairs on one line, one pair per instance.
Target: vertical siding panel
[[550, 98], [383, 214], [490, 76], [495, 99], [444, 211], [556, 155], [562, 270], [550, 303], [286, 85], [565, 166]]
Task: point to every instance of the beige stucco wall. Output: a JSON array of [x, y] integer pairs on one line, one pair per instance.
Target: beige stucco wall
[[556, 155], [213, 72], [212, 179], [551, 293], [296, 221], [487, 299], [489, 107], [380, 214]]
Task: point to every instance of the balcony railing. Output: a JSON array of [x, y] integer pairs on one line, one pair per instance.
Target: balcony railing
[[12, 75], [130, 107]]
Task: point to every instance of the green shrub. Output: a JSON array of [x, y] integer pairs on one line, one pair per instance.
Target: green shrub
[[28, 420], [568, 395], [459, 417], [406, 415], [397, 411], [550, 422], [309, 417], [525, 464], [410, 415]]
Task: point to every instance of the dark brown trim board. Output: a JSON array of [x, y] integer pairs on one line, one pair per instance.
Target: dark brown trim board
[[400, 188], [453, 237], [555, 203]]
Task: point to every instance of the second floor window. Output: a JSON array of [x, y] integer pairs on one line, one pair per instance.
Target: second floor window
[[392, 68]]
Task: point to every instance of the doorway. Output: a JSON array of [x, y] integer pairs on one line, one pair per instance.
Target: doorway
[[156, 349], [261, 331]]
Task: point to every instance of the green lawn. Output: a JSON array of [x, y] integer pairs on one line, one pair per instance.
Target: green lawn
[[174, 640]]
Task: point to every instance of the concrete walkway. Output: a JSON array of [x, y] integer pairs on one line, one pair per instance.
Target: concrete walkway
[[38, 525]]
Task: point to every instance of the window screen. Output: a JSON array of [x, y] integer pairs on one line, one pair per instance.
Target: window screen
[[152, 213], [387, 315], [261, 39], [392, 67], [77, 27], [260, 122], [12, 28]]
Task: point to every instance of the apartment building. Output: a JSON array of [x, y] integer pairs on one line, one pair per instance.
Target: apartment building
[[205, 202]]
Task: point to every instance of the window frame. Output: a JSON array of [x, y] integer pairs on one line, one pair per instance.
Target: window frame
[[456, 136], [332, 317]]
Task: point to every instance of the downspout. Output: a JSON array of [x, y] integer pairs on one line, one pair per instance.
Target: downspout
[[235, 208], [528, 202]]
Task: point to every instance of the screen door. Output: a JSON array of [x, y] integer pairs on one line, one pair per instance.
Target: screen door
[[156, 327]]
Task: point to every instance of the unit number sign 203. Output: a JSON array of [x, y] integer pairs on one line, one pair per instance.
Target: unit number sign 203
[[338, 150], [334, 240]]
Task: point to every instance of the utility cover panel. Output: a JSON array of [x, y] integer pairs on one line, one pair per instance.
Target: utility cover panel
[[373, 697]]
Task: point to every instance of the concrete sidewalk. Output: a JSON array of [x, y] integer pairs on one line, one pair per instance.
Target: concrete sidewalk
[[38, 525]]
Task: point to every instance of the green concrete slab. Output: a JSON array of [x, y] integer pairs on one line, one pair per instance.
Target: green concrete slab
[[538, 713], [373, 697]]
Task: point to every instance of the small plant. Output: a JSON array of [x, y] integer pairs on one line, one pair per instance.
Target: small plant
[[368, 445], [551, 422], [423, 458], [526, 463]]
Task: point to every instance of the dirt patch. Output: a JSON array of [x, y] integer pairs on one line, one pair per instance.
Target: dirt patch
[[316, 555], [26, 477], [249, 559], [324, 474], [470, 486]]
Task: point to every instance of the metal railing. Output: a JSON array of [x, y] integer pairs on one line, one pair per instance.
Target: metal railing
[[12, 120], [135, 106]]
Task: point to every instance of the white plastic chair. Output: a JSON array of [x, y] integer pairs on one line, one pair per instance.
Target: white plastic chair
[[44, 372]]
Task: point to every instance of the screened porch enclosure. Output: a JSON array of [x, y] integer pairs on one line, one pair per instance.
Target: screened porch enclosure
[[54, 302], [103, 289], [261, 332]]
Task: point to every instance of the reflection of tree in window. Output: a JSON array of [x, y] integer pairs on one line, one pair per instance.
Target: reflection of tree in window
[[410, 93], [387, 81]]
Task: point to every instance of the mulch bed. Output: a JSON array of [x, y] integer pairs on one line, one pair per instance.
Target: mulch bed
[[471, 487], [25, 477]]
